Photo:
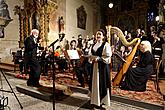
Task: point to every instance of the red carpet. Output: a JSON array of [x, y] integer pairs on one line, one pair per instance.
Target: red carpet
[[149, 96]]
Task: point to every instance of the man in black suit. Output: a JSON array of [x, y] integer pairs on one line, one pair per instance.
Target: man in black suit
[[157, 43], [157, 50], [30, 57]]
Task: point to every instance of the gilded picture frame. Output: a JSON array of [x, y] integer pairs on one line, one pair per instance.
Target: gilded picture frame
[[81, 17]]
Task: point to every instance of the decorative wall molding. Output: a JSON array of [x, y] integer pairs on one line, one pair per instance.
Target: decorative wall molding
[[35, 14]]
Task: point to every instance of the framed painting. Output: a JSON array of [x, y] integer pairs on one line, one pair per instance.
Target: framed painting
[[81, 17]]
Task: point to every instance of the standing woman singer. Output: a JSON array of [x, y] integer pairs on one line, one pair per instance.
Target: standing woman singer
[[100, 57]]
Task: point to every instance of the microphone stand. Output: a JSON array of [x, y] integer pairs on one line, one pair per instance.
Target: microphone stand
[[61, 36], [53, 78], [52, 45]]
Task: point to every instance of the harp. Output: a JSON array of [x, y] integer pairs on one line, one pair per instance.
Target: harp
[[117, 79]]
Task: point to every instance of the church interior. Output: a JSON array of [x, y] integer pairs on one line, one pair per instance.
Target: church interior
[[63, 22]]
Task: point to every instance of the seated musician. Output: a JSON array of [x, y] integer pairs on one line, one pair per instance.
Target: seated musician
[[79, 40], [19, 59], [73, 46], [136, 77], [157, 50], [157, 43], [122, 53], [83, 72], [47, 60], [84, 69], [44, 62], [60, 59]]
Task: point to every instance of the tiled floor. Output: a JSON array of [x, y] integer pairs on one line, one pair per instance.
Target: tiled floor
[[77, 101]]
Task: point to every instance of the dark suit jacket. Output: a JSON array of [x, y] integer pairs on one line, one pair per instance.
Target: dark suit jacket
[[30, 57], [157, 48], [30, 47]]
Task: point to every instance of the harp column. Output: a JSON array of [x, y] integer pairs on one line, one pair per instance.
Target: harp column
[[108, 28]]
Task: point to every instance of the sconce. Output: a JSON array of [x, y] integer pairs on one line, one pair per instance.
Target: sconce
[[164, 6], [157, 18], [157, 22], [110, 5]]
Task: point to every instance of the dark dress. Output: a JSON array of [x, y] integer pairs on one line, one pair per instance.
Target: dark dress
[[30, 57], [102, 81], [136, 78]]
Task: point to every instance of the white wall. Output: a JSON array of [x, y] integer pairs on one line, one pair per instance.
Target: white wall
[[71, 19], [66, 8], [53, 22], [10, 41]]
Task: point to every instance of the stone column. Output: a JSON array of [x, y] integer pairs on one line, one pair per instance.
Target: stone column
[[46, 26], [26, 26], [42, 25], [21, 42]]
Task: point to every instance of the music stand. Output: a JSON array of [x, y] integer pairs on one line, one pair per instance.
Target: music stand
[[73, 54], [74, 58], [1, 72]]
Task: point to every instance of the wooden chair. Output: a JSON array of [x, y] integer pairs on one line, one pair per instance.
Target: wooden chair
[[155, 75]]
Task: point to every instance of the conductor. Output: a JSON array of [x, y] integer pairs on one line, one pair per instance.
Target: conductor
[[30, 57]]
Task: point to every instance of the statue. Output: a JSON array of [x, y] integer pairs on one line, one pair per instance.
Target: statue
[[61, 25], [4, 12]]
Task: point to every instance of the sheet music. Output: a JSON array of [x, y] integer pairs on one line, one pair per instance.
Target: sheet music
[[73, 54]]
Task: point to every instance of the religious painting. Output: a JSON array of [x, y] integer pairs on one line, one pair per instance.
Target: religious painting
[[81, 17], [1, 32]]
